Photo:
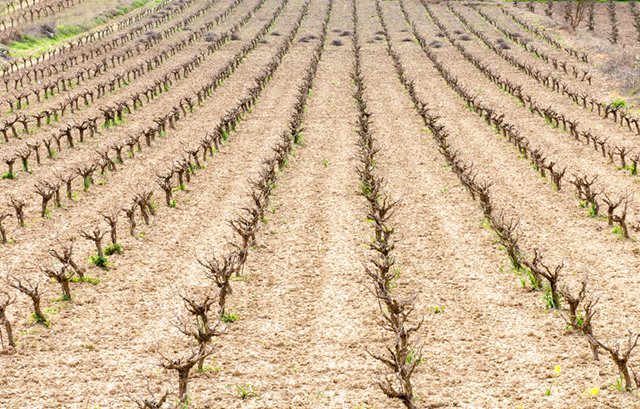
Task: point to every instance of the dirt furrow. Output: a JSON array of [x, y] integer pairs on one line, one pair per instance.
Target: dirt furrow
[[304, 296]]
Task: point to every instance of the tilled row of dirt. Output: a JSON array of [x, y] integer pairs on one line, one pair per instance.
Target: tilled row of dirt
[[305, 319]]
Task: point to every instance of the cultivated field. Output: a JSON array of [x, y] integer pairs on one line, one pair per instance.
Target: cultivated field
[[319, 204]]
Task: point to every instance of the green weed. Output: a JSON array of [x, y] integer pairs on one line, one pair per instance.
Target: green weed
[[247, 391], [438, 309], [89, 347], [619, 384], [99, 261], [633, 169], [619, 103], [114, 248], [39, 319], [62, 298], [547, 298], [414, 357], [527, 278], [86, 279], [209, 368], [51, 310], [365, 189], [617, 230], [86, 183], [230, 317]]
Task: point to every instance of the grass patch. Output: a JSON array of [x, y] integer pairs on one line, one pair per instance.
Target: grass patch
[[34, 46], [592, 211], [547, 299], [437, 309], [114, 122], [51, 310], [633, 169], [122, 10]]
